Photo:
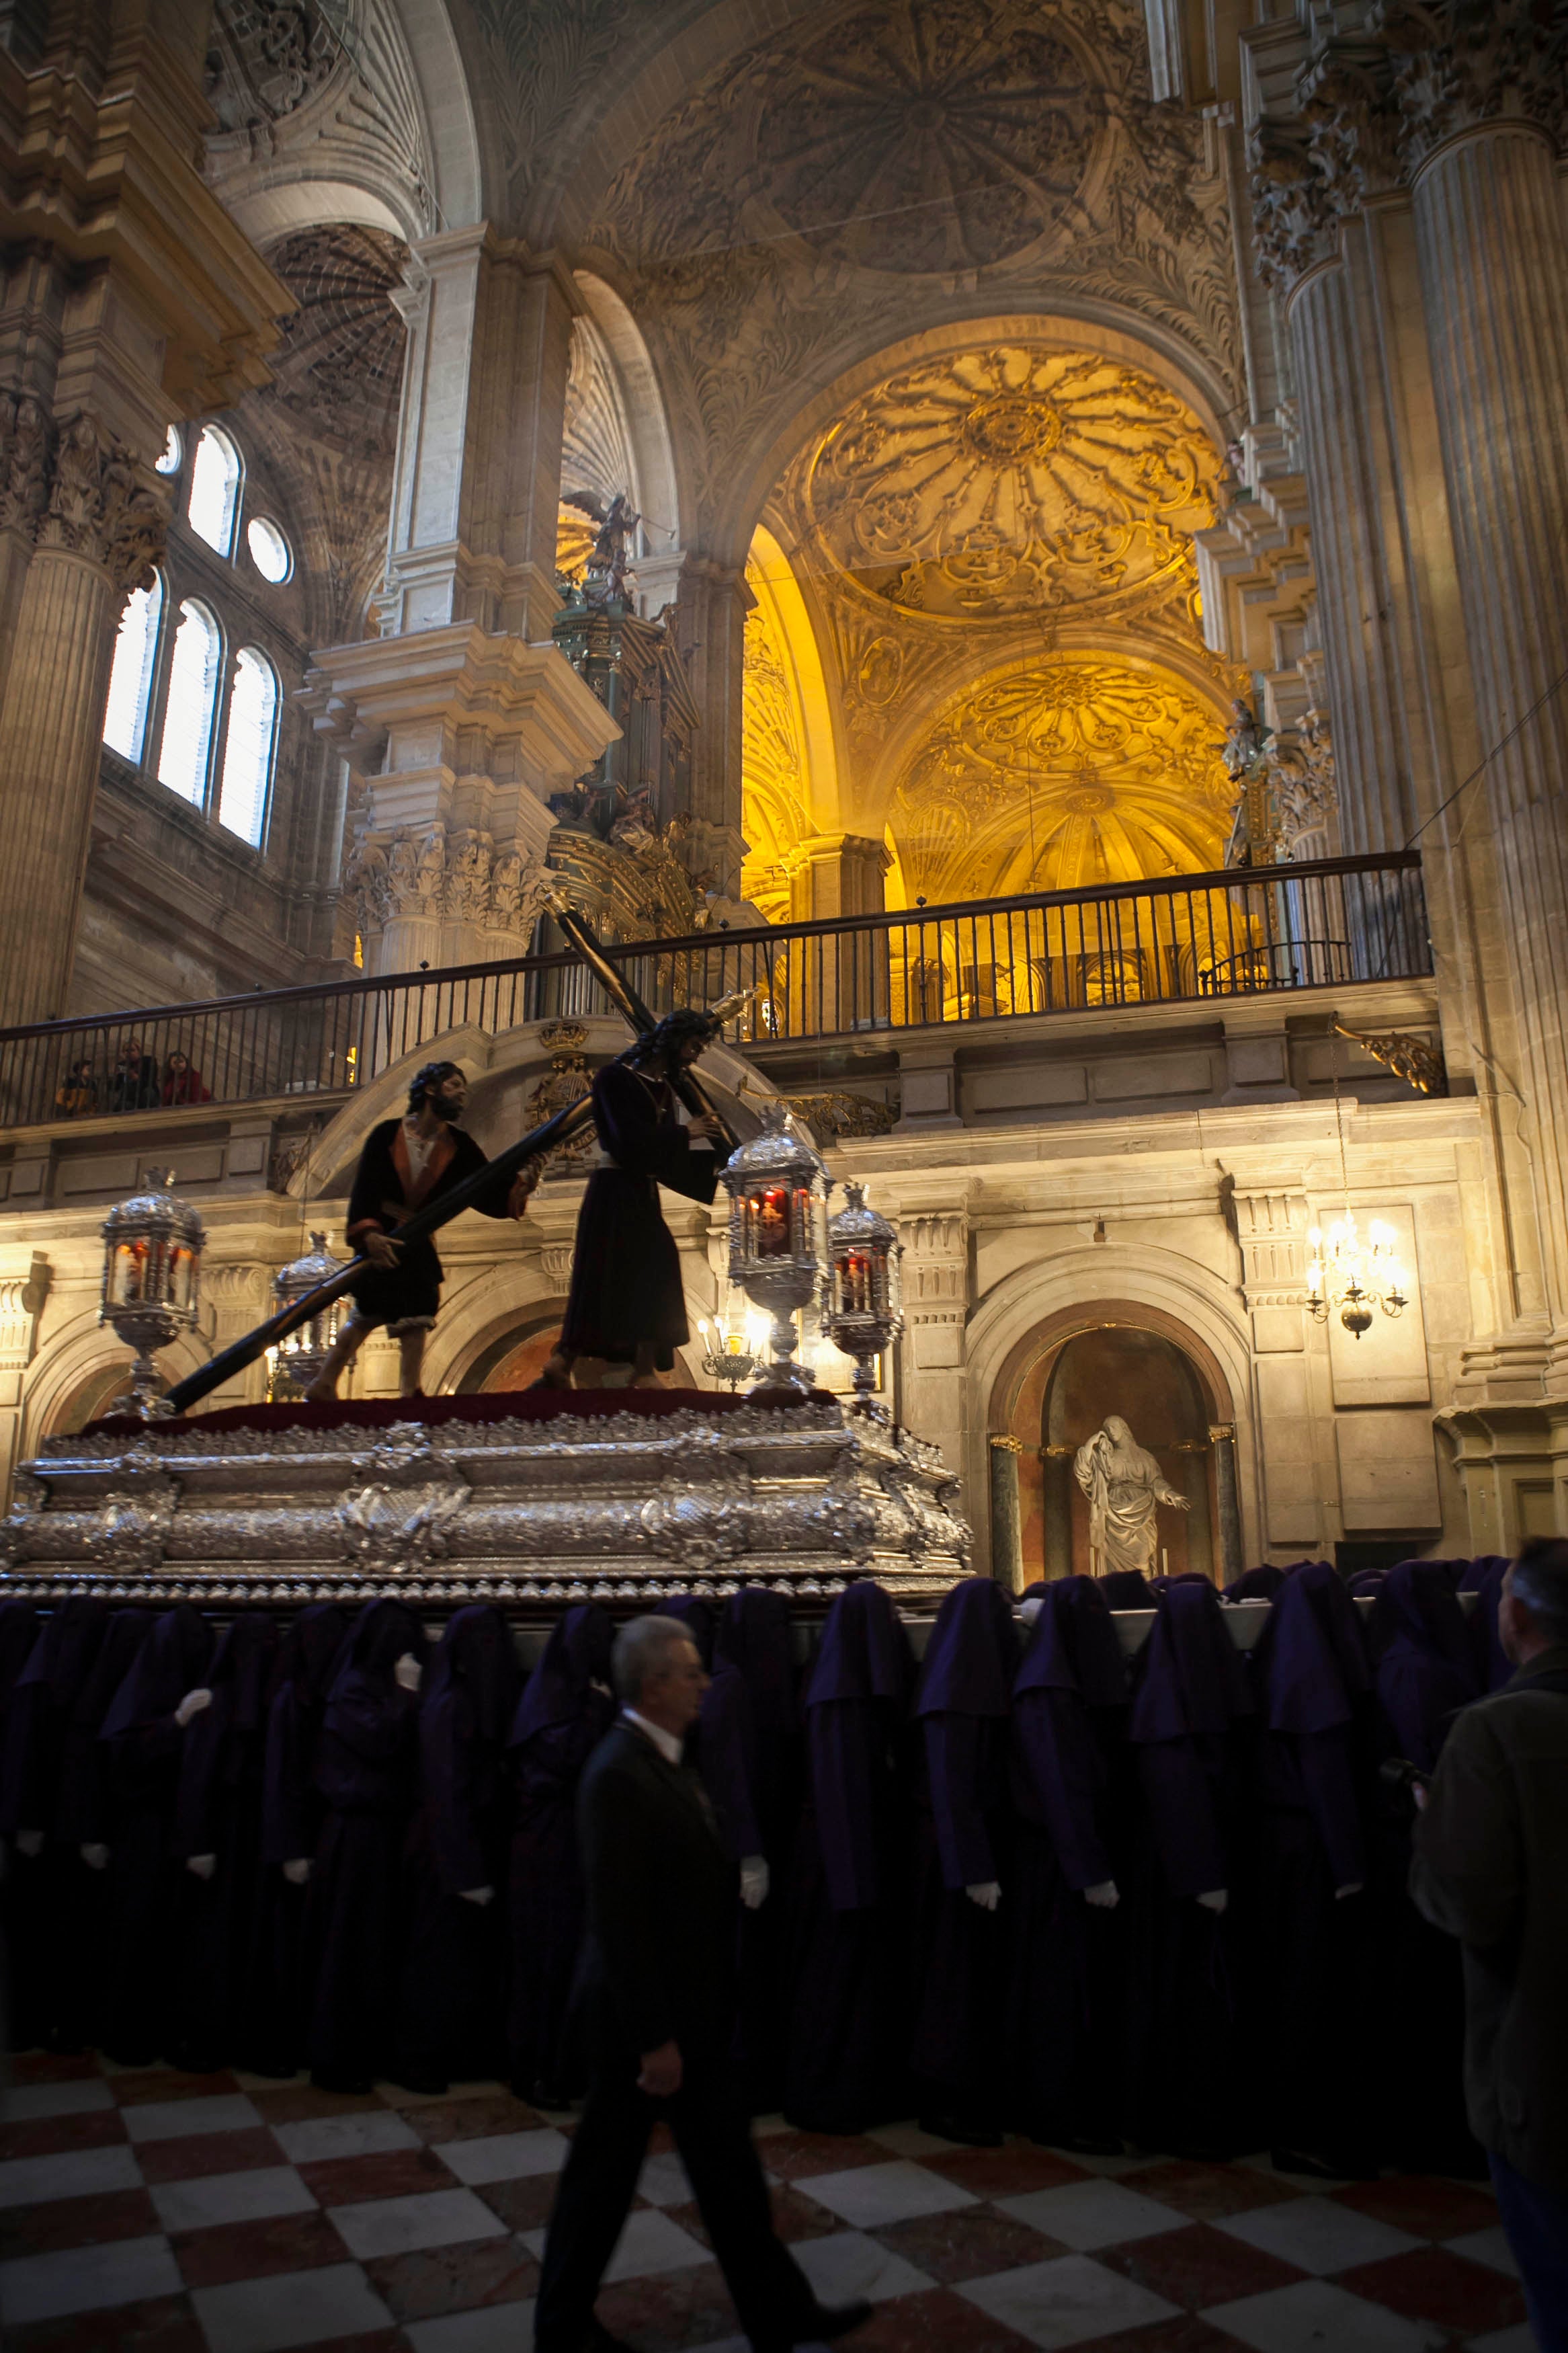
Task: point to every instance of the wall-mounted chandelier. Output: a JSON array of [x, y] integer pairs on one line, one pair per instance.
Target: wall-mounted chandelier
[[1352, 1275]]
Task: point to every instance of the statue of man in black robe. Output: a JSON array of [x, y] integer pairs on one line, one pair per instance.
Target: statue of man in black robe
[[627, 1306], [407, 1162]]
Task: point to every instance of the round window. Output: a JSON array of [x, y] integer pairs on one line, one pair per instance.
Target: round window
[[173, 451], [269, 551]]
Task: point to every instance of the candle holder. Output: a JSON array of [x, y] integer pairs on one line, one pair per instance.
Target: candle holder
[[862, 1312], [727, 1360], [297, 1360], [778, 1193], [152, 1279]]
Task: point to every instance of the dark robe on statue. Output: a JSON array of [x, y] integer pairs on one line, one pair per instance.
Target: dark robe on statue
[[385, 1193], [963, 1840], [291, 1812], [218, 1813], [365, 1762], [565, 1710], [1191, 1732], [849, 1929], [144, 1746], [626, 1271], [1424, 1664], [1065, 1996], [451, 2015], [1315, 1780], [81, 1819], [755, 1638]]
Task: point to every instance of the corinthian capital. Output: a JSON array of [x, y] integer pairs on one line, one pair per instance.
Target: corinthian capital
[[1294, 216], [1458, 64], [1349, 105], [96, 508]]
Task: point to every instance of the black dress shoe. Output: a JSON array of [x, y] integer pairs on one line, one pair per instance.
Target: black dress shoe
[[831, 2321]]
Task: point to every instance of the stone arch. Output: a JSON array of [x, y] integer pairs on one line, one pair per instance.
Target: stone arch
[[654, 481]]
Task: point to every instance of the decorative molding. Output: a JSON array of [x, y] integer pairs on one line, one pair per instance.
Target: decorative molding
[[1417, 1060], [457, 877], [839, 1114], [70, 486]]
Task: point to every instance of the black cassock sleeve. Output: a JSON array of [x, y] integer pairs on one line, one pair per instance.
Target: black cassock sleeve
[[638, 1128]]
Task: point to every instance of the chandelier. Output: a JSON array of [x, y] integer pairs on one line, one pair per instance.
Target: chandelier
[[1354, 1275]]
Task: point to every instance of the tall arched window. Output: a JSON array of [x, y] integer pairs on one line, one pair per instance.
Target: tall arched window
[[214, 489], [188, 715], [131, 679], [248, 742]]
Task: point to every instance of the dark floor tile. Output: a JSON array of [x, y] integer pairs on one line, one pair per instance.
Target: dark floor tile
[[473, 2119], [1435, 2284], [1006, 2172], [935, 2321], [1209, 2193], [196, 2153], [1423, 2203], [47, 2135], [521, 2205], [1186, 2334], [77, 2223], [52, 2066], [297, 2104], [138, 2086], [391, 2173], [1198, 2265], [164, 2324], [437, 2280], [793, 2156], [228, 2252], [666, 2313], [969, 2244]]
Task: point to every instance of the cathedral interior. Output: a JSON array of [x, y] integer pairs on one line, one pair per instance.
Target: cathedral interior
[[1024, 541]]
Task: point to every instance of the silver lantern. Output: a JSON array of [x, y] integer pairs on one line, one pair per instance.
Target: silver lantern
[[862, 1311], [297, 1360], [778, 1193], [152, 1278]]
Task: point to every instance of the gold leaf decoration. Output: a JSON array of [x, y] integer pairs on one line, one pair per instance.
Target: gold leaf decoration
[[773, 760]]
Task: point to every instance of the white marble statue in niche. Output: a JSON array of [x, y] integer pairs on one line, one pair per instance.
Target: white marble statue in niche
[[1125, 1487]]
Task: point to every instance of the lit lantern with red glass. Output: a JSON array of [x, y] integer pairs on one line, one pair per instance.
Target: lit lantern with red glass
[[778, 1195], [863, 1310], [152, 1278]]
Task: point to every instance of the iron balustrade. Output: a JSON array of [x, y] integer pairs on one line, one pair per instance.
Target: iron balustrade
[[1185, 938]]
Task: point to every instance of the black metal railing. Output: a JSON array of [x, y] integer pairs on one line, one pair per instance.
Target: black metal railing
[[1185, 938]]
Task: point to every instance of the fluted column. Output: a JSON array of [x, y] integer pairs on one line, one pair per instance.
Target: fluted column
[[97, 538], [1494, 267], [711, 606]]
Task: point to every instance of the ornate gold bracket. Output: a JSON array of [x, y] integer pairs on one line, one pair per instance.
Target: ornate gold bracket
[[1421, 1066]]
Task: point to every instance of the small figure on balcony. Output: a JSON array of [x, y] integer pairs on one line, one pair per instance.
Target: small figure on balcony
[[407, 1162], [1125, 1486], [606, 578], [626, 1306]]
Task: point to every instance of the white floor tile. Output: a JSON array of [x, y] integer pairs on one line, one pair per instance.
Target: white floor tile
[[495, 2328], [296, 2308], [67, 2173], [221, 2112], [663, 2180], [1489, 2247], [1089, 2214], [762, 2125], [430, 2218], [909, 2140], [1517, 2339], [1318, 2234], [504, 2156], [1067, 2301], [369, 2133], [86, 2279], [1312, 2314], [399, 2096], [231, 2197], [848, 2266], [867, 2197], [649, 2244], [24, 2104]]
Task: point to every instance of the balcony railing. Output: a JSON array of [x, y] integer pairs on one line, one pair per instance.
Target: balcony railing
[[1184, 939]]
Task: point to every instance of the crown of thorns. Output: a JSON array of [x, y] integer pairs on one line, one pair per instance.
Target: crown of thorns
[[674, 1031]]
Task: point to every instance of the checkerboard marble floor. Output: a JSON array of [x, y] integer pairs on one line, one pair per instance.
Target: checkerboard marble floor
[[153, 2213]]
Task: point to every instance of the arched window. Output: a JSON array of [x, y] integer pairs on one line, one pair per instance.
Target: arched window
[[214, 489], [131, 679], [248, 743], [182, 757]]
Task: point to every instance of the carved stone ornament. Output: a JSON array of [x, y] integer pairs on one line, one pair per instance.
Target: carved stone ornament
[[1415, 1059], [68, 486], [1458, 64], [459, 877], [27, 461], [833, 1116], [1295, 220]]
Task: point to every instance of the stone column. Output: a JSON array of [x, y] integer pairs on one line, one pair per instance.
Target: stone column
[[1494, 270], [1007, 1515], [97, 537], [1222, 1437], [711, 619], [934, 1391]]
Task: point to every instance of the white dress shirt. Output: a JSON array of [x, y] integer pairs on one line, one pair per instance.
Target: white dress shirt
[[667, 1745]]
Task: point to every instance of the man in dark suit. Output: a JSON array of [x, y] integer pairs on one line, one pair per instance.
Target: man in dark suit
[[656, 1986]]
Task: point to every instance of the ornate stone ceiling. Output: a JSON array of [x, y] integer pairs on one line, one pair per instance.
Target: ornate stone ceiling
[[340, 369], [1010, 481], [1060, 776]]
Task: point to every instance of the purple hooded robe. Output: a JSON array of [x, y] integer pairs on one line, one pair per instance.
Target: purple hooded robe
[[366, 1760], [755, 1638], [1073, 1800], [291, 1809], [1484, 1578], [218, 1813], [42, 1895], [565, 1710], [145, 1745], [849, 1912], [963, 1840], [450, 2013], [81, 1819]]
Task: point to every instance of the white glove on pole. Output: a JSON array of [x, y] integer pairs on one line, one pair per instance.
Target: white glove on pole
[[298, 1870], [29, 1841], [1351, 1887], [408, 1672], [479, 1895], [755, 1880], [192, 1704], [1105, 1895], [95, 1857], [987, 1892], [202, 1865], [1214, 1899]]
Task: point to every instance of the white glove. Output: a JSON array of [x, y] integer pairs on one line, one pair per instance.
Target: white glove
[[479, 1895], [95, 1857], [1029, 1610], [1351, 1887], [987, 1892], [298, 1870], [29, 1841], [202, 1865], [1105, 1895], [1214, 1899], [408, 1672], [755, 1880], [192, 1704]]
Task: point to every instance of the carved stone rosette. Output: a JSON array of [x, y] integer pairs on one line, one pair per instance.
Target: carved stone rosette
[[524, 1514]]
